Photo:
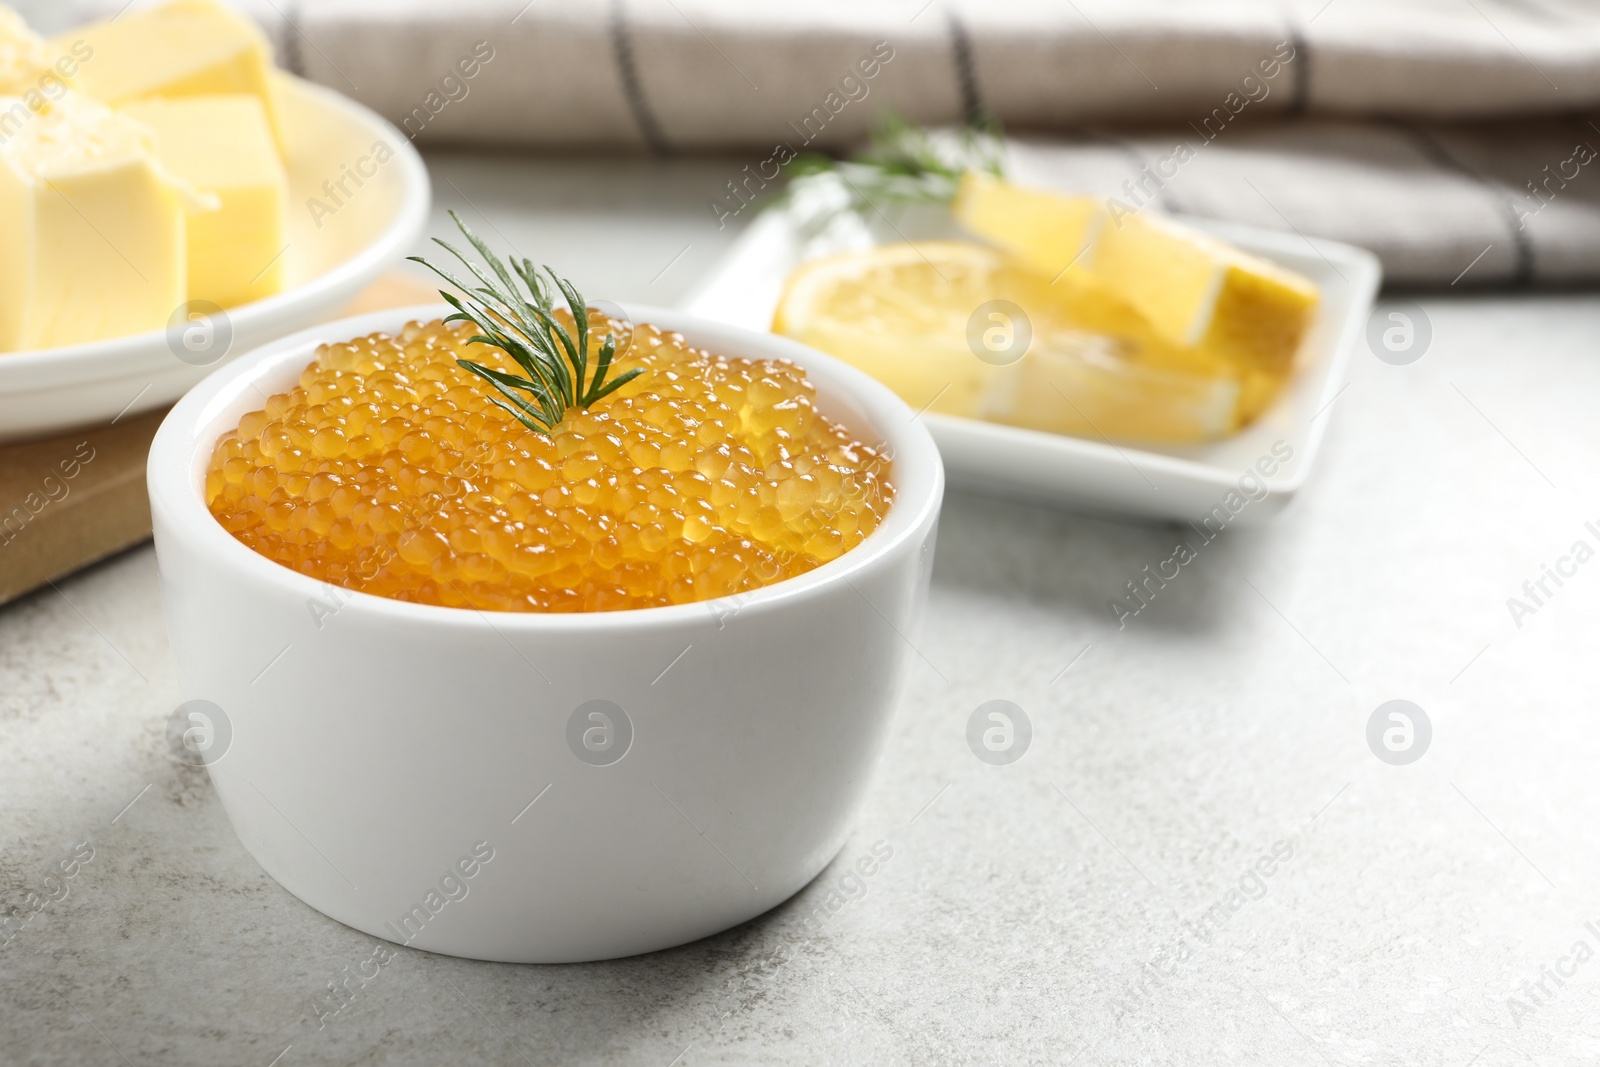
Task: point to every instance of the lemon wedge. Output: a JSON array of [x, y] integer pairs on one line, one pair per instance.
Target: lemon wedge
[[1207, 300], [1051, 233], [965, 329], [1198, 291]]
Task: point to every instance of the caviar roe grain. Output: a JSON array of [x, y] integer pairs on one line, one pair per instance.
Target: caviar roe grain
[[388, 470]]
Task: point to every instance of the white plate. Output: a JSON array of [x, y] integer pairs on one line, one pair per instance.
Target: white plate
[[1181, 483], [59, 388]]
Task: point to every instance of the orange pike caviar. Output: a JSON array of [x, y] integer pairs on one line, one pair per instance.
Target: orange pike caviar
[[388, 470]]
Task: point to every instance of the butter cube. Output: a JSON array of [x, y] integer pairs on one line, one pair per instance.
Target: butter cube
[[222, 147], [179, 48], [93, 238], [24, 59]]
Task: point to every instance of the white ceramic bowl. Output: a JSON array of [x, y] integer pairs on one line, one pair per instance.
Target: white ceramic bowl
[[376, 744], [330, 258]]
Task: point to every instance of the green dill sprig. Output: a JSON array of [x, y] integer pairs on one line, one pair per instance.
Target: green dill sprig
[[525, 328], [905, 163]]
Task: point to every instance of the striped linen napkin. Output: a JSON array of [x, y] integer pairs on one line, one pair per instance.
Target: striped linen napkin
[[1455, 139]]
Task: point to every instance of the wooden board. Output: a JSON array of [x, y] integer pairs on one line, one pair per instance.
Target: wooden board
[[75, 499]]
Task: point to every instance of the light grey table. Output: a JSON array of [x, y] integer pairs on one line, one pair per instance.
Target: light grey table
[[1091, 902]]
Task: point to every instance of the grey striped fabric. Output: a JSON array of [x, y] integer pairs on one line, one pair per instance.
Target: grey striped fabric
[[1452, 137]]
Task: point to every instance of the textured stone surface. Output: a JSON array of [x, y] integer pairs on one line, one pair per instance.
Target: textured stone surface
[[1014, 919]]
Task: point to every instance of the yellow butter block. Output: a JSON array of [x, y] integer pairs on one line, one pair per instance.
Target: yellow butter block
[[222, 147], [92, 244], [25, 60], [178, 48]]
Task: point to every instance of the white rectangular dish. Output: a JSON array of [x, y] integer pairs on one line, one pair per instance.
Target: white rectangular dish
[[1179, 483]]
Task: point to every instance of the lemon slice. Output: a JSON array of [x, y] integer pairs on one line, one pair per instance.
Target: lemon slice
[[900, 313], [968, 330]]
